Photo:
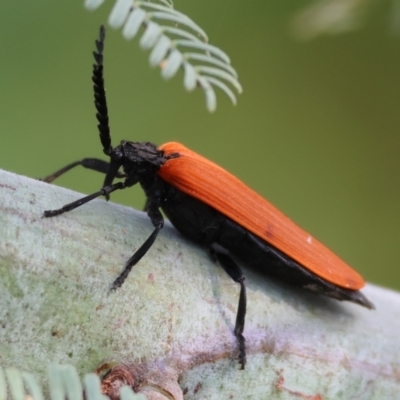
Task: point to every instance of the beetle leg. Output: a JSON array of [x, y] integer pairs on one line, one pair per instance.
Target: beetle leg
[[146, 204], [94, 164], [158, 221], [105, 191], [223, 257]]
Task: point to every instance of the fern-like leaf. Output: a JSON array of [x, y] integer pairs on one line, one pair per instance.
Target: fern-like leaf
[[176, 42], [63, 382]]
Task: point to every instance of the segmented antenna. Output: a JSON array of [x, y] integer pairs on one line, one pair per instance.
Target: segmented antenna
[[100, 94]]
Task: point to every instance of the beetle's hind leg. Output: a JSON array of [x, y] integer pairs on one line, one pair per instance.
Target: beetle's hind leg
[[223, 257], [94, 164]]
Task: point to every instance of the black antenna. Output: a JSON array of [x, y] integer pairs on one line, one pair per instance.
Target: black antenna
[[100, 94]]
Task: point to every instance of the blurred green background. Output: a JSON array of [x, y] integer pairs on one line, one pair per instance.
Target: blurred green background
[[316, 130]]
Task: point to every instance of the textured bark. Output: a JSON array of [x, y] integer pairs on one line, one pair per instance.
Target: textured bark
[[173, 318]]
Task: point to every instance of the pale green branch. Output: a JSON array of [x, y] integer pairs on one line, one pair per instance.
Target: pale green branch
[[174, 315]]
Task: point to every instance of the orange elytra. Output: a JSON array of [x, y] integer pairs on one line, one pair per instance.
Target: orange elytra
[[208, 182]]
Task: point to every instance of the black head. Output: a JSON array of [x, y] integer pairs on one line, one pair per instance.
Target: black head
[[138, 160]]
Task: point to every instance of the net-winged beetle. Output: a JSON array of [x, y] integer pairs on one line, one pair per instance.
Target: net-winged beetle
[[213, 208]]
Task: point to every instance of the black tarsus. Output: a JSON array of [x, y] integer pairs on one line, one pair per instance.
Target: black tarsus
[[136, 258], [100, 94], [223, 257]]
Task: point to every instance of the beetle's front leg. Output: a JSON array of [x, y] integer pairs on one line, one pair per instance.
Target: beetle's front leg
[[105, 191]]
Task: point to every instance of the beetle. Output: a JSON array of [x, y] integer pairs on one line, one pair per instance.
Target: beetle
[[215, 209]]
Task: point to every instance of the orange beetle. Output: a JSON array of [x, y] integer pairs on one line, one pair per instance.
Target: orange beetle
[[213, 208]]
